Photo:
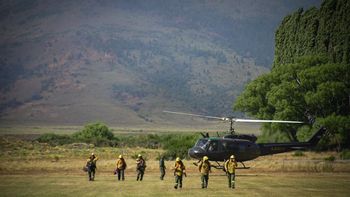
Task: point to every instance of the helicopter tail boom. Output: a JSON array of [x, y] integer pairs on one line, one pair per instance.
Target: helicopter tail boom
[[317, 136], [273, 148]]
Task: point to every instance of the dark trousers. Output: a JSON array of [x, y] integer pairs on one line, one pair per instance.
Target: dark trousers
[[205, 179], [91, 173], [231, 180], [120, 174], [140, 174], [162, 173], [178, 181]]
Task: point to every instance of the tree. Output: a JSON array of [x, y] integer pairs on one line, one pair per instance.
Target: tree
[[96, 133], [311, 85]]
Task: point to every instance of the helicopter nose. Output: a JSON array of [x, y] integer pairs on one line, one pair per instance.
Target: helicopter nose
[[196, 152]]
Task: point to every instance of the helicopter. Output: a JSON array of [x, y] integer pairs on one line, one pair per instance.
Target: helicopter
[[243, 146]]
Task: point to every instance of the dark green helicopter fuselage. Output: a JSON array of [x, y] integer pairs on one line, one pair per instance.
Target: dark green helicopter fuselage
[[220, 149]]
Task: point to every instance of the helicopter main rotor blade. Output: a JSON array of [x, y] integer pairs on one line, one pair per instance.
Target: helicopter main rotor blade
[[272, 121], [188, 114], [234, 119]]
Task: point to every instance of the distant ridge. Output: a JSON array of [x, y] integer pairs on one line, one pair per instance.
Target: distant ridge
[[123, 62]]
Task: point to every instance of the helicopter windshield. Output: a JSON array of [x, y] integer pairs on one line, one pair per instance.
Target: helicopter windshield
[[202, 143]]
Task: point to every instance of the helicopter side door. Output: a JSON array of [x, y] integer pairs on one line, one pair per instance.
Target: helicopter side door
[[212, 149], [215, 150], [248, 150], [230, 147]]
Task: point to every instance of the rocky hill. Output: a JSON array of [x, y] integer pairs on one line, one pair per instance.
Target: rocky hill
[[123, 62]]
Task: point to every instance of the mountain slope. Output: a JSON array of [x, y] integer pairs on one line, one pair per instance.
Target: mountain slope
[[123, 62]]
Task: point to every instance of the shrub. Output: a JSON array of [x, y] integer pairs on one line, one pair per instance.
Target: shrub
[[330, 158], [298, 153], [54, 139], [345, 154], [94, 130], [177, 145], [147, 141], [96, 133]]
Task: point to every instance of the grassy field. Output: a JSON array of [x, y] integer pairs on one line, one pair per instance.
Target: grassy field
[[274, 184], [13, 129], [36, 169]]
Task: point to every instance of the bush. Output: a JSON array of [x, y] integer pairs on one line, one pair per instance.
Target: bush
[[147, 141], [298, 153], [94, 130], [330, 158], [54, 139], [345, 154], [96, 133], [177, 145]]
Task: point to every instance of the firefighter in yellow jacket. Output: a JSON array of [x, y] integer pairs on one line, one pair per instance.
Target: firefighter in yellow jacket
[[179, 171], [121, 166], [140, 167], [205, 169], [91, 166], [230, 168]]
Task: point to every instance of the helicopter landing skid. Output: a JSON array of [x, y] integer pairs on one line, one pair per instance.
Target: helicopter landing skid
[[218, 166], [244, 167]]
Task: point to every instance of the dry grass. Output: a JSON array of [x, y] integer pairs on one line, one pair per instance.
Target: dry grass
[[25, 157], [106, 185], [28, 129], [33, 169]]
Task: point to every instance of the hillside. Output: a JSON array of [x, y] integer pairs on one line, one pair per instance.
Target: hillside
[[123, 62]]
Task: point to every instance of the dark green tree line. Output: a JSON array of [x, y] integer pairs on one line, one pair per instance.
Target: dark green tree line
[[315, 31], [310, 86], [310, 77]]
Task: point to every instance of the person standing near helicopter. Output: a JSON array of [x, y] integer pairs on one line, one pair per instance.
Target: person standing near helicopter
[[205, 169], [179, 171], [162, 167], [230, 168]]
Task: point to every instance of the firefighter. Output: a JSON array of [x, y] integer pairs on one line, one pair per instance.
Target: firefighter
[[162, 167], [121, 166], [205, 169], [179, 171], [230, 167], [140, 167], [91, 166]]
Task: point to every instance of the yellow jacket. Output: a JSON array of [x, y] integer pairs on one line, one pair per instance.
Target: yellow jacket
[[230, 166], [179, 168], [121, 164], [204, 167], [93, 158]]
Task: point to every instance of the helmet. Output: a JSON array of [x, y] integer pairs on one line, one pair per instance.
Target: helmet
[[205, 158], [139, 155], [120, 156], [232, 157], [178, 159]]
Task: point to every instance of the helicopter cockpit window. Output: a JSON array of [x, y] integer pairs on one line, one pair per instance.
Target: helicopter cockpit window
[[202, 143], [213, 146]]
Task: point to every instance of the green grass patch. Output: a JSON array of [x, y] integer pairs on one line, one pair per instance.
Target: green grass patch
[[345, 154], [98, 134], [298, 153], [107, 185], [330, 158]]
